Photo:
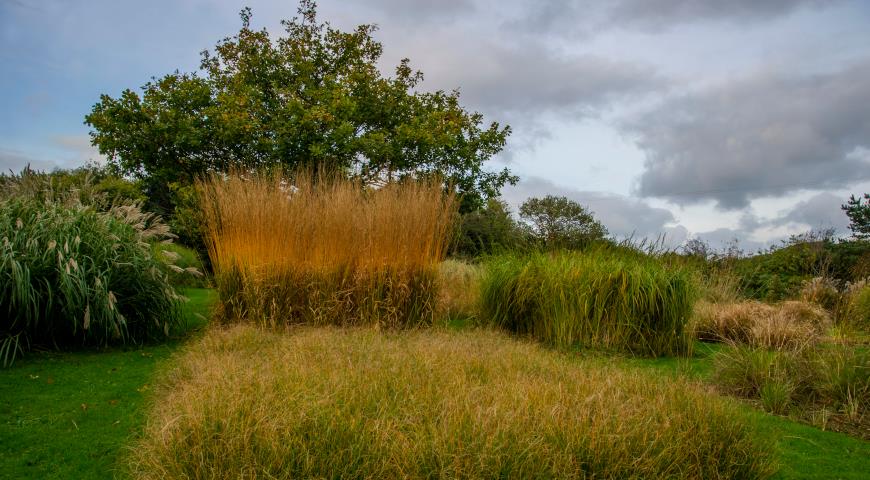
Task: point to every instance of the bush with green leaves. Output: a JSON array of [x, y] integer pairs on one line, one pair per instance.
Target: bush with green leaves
[[603, 297], [73, 276]]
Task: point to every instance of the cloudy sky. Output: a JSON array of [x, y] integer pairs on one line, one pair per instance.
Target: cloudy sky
[[687, 118]]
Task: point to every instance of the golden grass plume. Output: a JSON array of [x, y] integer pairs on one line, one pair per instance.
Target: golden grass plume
[[308, 248]]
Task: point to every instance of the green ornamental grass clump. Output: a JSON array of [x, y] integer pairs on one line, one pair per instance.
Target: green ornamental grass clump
[[71, 276], [602, 298]]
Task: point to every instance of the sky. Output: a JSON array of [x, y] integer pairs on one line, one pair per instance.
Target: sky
[[717, 120]]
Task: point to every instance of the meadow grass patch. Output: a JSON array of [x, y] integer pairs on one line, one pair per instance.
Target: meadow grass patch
[[356, 403]]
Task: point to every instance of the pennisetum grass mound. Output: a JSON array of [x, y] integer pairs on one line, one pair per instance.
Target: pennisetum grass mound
[[318, 250], [601, 298], [354, 403]]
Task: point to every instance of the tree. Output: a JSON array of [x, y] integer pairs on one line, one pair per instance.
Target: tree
[[859, 216], [312, 98], [561, 223], [488, 230]]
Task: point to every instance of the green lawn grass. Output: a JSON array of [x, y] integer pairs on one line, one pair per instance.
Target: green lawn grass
[[68, 415]]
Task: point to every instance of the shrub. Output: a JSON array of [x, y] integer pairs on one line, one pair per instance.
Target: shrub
[[488, 230], [319, 250], [350, 403], [600, 298], [73, 276], [829, 378]]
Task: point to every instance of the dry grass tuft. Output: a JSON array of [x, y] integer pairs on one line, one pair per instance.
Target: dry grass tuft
[[317, 250], [788, 325], [354, 403]]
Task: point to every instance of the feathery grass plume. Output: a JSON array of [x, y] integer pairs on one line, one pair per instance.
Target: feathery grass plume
[[70, 275], [320, 249], [601, 297], [249, 403]]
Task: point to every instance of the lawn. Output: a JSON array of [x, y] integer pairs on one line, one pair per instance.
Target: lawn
[[70, 415]]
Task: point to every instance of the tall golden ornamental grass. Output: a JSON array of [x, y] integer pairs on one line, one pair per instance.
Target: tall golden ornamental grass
[[324, 250]]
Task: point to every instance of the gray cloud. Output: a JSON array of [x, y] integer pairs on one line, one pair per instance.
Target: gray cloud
[[623, 216], [764, 135], [579, 18], [819, 212], [659, 14]]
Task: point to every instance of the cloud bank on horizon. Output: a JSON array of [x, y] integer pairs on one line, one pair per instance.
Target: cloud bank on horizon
[[683, 118]]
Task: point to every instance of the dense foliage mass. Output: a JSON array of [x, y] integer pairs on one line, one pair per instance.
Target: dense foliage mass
[[561, 223], [602, 297], [858, 212], [313, 97], [70, 275]]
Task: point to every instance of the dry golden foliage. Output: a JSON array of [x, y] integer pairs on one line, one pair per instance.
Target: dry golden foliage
[[787, 325], [355, 403], [317, 249]]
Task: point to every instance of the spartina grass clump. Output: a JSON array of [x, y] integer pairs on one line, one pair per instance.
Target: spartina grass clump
[[309, 249], [70, 275], [828, 385], [250, 403], [787, 325], [597, 298]]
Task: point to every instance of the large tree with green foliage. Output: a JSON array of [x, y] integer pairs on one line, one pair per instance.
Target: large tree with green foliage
[[859, 216], [561, 223], [312, 98]]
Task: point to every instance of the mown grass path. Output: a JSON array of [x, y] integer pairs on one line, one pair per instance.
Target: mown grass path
[[70, 415]]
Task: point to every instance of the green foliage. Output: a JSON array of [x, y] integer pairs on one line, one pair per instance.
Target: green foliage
[[857, 311], [859, 216], [602, 298], [561, 223], [488, 230], [67, 415], [781, 272], [313, 97], [74, 276], [93, 185], [185, 264]]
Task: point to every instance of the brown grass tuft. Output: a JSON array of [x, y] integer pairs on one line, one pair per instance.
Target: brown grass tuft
[[354, 403], [788, 325]]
